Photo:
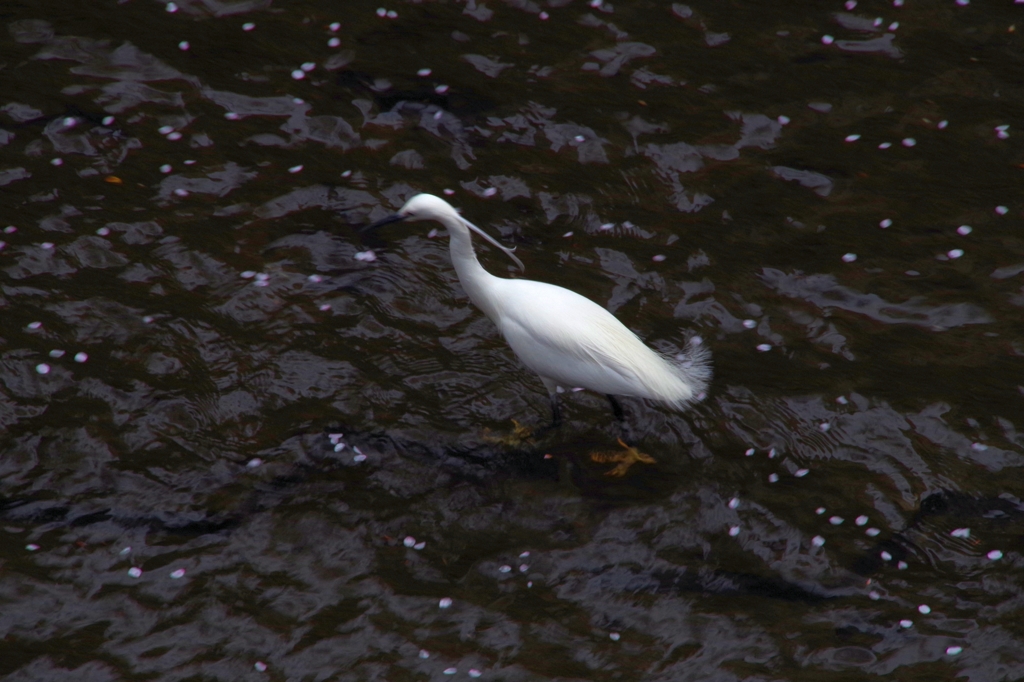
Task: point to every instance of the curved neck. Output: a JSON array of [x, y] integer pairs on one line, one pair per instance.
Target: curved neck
[[477, 282]]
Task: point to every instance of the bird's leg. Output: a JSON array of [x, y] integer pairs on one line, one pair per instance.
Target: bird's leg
[[556, 411], [556, 416], [624, 460], [620, 416], [520, 436], [616, 408]]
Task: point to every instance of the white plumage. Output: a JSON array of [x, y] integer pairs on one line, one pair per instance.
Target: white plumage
[[568, 340]]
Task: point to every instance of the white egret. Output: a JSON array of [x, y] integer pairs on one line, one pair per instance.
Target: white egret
[[568, 340]]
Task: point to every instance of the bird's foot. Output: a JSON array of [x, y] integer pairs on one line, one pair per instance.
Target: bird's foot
[[520, 435], [625, 459]]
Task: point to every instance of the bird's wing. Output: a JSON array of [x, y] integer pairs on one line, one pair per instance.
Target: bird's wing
[[546, 325], [572, 341]]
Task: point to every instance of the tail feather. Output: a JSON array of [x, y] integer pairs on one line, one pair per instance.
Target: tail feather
[[693, 367], [677, 380]]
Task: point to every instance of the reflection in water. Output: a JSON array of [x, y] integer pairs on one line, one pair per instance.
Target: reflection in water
[[238, 440], [825, 292]]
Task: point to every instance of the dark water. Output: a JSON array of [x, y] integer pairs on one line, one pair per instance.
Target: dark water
[[846, 503]]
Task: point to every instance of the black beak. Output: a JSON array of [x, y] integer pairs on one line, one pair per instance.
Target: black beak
[[386, 221]]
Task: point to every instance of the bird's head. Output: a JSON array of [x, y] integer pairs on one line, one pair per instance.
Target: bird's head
[[429, 207]]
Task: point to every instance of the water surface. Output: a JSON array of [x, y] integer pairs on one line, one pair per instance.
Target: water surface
[[241, 440]]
